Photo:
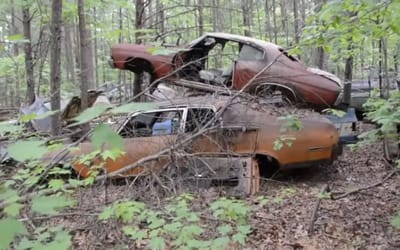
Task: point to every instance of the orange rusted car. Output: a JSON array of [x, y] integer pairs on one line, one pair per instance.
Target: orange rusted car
[[239, 132], [231, 61]]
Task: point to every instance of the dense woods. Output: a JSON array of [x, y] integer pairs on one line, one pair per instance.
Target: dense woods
[[54, 50]]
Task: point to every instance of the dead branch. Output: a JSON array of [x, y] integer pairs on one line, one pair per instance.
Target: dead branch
[[315, 211], [387, 177]]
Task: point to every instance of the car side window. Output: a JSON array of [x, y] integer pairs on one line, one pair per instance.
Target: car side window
[[249, 53], [198, 118], [153, 124]]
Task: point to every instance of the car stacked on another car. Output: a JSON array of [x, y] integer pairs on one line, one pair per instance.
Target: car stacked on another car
[[233, 62]]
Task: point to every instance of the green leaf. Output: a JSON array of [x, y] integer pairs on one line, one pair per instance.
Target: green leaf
[[220, 242], [107, 213], [61, 241], [173, 227], [103, 134], [17, 38], [396, 221], [157, 243], [239, 238], [89, 114], [9, 228], [224, 229], [244, 229], [6, 127], [8, 195], [13, 209], [27, 150], [133, 107], [56, 184], [50, 204], [156, 223], [134, 233]]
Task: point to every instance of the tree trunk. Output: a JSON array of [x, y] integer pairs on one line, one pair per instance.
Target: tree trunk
[[274, 21], [87, 81], [139, 14], [348, 69], [246, 17], [14, 28], [296, 22], [55, 64], [96, 61], [69, 54], [285, 25], [30, 78], [320, 52], [268, 25], [201, 21]]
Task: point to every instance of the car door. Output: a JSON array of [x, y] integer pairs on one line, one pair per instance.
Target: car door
[[249, 63], [144, 134]]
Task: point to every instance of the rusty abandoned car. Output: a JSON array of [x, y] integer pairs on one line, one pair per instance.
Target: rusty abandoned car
[[233, 61], [241, 133]]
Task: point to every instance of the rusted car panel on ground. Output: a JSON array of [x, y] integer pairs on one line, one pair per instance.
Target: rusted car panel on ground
[[231, 61], [242, 131]]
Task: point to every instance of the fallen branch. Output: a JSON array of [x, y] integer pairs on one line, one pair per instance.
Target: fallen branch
[[324, 189], [390, 175]]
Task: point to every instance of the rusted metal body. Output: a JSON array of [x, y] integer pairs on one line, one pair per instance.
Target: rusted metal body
[[269, 65], [241, 131]]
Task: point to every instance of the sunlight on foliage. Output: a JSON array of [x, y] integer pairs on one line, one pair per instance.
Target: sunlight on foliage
[[27, 150], [178, 225], [89, 114], [9, 228], [104, 135], [50, 204]]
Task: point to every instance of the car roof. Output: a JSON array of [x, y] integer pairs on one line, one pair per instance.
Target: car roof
[[238, 38]]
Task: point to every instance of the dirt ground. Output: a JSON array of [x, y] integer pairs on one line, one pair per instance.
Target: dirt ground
[[359, 220]]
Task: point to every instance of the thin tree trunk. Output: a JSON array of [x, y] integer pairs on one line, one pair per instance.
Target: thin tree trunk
[[121, 79], [285, 25], [30, 78], [96, 61], [274, 21], [69, 54], [296, 21], [246, 17], [85, 56], [201, 21], [139, 10], [320, 52], [55, 64], [385, 68], [268, 25], [348, 69]]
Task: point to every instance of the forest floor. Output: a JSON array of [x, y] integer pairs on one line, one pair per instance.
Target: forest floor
[[359, 220]]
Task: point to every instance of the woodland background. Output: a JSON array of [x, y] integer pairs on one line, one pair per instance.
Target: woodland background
[[57, 49]]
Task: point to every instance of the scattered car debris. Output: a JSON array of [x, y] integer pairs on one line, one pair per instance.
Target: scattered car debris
[[229, 62]]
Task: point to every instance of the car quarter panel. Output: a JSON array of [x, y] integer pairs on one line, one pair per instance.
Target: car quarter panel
[[134, 149], [315, 142], [123, 53]]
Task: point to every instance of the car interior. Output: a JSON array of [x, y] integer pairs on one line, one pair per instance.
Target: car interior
[[167, 122], [212, 60]]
